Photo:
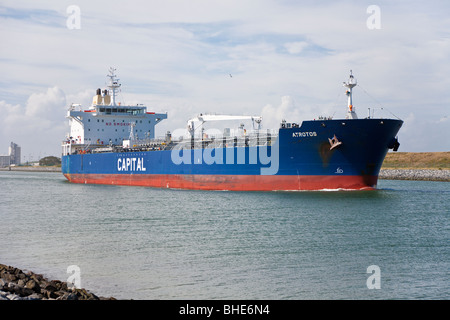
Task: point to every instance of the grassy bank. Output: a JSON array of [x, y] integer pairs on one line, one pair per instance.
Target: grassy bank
[[417, 160]]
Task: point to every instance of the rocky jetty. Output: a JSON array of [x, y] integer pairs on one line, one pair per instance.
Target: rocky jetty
[[32, 168], [415, 174], [15, 284]]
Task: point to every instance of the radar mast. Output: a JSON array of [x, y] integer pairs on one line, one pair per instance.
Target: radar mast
[[113, 85], [351, 114]]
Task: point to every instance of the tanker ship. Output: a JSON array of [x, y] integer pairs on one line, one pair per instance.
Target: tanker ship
[[111, 143]]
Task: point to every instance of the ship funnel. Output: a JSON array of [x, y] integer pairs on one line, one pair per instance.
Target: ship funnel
[[106, 98], [97, 98]]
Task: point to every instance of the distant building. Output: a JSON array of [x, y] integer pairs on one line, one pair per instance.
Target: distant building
[[14, 153], [5, 161], [13, 156]]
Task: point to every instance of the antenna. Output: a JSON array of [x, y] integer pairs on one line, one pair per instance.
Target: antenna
[[113, 84]]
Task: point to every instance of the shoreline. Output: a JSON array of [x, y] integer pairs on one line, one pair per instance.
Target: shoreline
[[32, 169], [415, 174], [16, 284], [437, 174]]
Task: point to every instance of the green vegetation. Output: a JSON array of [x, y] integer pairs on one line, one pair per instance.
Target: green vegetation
[[50, 161]]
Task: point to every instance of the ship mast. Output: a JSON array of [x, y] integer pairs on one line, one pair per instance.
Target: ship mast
[[351, 114], [113, 84]]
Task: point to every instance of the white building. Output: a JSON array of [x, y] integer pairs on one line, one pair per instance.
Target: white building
[[13, 156], [14, 153], [5, 161]]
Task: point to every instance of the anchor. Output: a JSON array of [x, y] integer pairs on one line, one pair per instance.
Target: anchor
[[334, 142]]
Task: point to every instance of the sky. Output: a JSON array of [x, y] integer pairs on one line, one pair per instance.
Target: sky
[[284, 59]]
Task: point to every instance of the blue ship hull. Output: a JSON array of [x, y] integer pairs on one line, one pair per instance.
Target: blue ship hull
[[300, 158]]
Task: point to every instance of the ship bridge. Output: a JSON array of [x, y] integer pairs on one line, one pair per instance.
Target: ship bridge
[[107, 123]]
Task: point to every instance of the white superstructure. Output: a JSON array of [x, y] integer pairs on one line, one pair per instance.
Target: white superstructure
[[106, 123]]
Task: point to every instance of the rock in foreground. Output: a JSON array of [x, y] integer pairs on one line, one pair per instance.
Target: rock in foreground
[[15, 284]]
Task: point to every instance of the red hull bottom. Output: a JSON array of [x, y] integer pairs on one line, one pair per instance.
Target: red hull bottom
[[229, 182]]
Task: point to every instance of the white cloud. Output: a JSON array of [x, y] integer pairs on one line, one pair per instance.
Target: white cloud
[[174, 57], [418, 130], [443, 119], [38, 127], [287, 110], [296, 47], [48, 105]]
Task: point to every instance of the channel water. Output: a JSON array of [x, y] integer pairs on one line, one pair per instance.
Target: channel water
[[148, 243]]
